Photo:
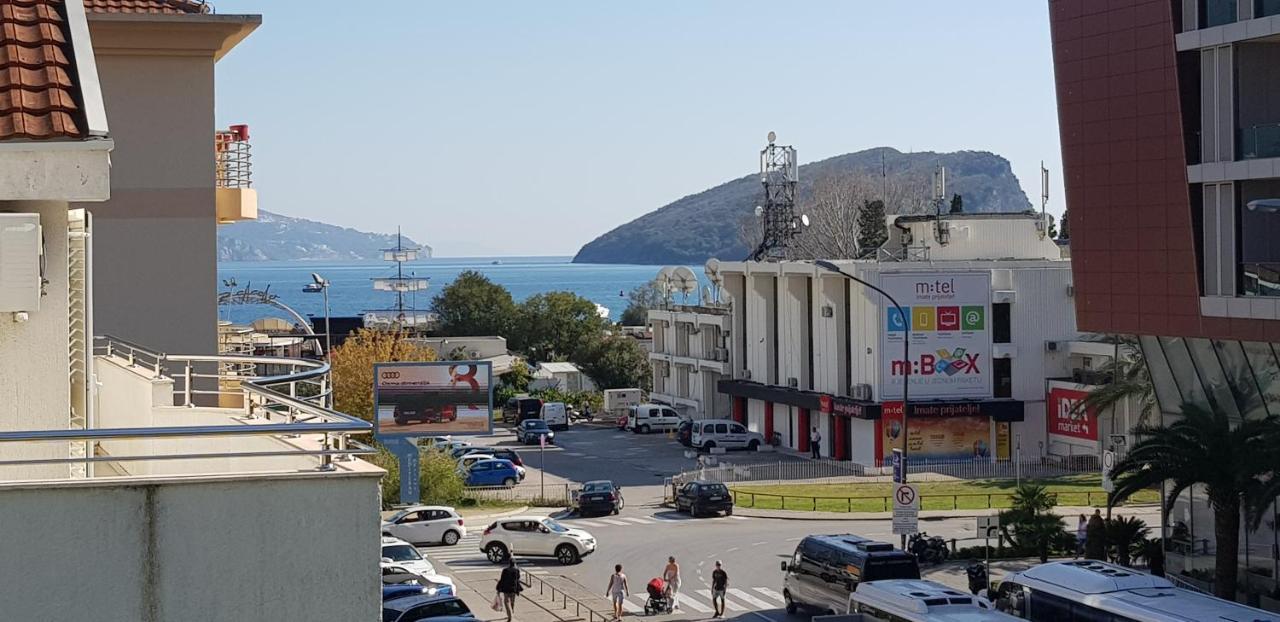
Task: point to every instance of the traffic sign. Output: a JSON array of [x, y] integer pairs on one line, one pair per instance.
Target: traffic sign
[[988, 526], [1108, 464], [906, 509], [899, 467]]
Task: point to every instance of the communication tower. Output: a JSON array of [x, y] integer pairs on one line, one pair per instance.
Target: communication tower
[[779, 223]]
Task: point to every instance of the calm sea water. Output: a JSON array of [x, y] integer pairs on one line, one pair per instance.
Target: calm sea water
[[351, 291]]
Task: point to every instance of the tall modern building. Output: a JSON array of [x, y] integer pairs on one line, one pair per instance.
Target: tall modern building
[[1170, 123]]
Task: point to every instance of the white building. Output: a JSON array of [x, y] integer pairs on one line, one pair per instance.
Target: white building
[[560, 375], [690, 357], [983, 294]]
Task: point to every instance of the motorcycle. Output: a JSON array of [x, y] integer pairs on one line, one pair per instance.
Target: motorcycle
[[928, 549]]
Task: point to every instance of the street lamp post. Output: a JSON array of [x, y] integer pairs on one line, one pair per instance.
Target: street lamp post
[[906, 357], [322, 285]]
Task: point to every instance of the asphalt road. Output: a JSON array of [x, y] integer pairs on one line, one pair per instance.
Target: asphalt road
[[645, 533]]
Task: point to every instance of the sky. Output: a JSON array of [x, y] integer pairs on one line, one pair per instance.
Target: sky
[[529, 128]]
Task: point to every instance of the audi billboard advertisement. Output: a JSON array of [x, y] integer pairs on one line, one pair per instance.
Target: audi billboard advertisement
[[428, 399]]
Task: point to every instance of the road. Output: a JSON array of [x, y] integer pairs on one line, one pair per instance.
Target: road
[[645, 533]]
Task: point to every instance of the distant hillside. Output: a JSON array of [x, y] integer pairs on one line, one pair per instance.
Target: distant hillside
[[273, 237], [706, 224]]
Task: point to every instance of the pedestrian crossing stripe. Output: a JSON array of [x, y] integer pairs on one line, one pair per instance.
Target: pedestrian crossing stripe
[[749, 599], [736, 599]]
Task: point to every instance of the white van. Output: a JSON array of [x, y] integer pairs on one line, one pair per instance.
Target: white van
[[555, 415], [647, 418], [711, 433]]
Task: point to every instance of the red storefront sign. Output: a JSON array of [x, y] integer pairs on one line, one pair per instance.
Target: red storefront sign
[[1065, 419]]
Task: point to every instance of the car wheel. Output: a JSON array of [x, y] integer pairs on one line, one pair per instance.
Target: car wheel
[[644, 429], [496, 552], [791, 604], [709, 445], [400, 421], [510, 482], [566, 554], [693, 510], [450, 538], [728, 512], [615, 511], [753, 445]]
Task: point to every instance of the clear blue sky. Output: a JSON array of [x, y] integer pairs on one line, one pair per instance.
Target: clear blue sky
[[528, 128]]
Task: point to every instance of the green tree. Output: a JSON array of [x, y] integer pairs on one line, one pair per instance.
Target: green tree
[[1126, 538], [616, 362], [353, 361], [472, 305], [1233, 460], [555, 326], [872, 231], [1030, 522], [440, 482], [512, 383], [644, 297], [1128, 379], [1065, 229], [957, 204]]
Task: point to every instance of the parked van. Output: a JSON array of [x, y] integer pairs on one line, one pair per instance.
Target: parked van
[[727, 433], [521, 407], [647, 418], [824, 570], [555, 415]]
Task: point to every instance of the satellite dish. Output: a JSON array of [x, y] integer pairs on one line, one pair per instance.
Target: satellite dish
[[772, 137], [804, 219], [684, 280], [759, 210], [665, 278], [712, 270]]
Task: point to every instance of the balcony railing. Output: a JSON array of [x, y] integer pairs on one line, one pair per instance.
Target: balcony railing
[[272, 406], [1260, 141], [906, 253], [232, 157], [1261, 279]]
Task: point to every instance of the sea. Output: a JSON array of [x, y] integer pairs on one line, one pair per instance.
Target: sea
[[351, 287]]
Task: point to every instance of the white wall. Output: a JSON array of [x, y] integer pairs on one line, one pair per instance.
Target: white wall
[[35, 392], [300, 548]]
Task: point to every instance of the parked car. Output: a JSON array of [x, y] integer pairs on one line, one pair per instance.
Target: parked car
[[492, 472], [535, 536], [824, 570], [450, 446], [433, 441], [710, 433], [434, 608], [410, 411], [701, 497], [684, 433], [426, 523], [600, 496], [521, 407], [647, 418], [397, 552], [466, 461], [532, 429], [505, 454], [401, 590], [556, 415]]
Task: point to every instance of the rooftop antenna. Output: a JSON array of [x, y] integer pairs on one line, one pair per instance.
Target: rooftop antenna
[[685, 281], [939, 188], [401, 284], [665, 276], [778, 220], [1044, 200], [712, 270]]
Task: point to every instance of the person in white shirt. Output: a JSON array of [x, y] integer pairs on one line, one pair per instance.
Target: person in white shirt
[[815, 443], [671, 574]]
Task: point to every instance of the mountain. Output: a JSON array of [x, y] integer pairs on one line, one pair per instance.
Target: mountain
[[704, 225], [273, 237]]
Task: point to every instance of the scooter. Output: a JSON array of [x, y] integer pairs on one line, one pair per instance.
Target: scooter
[[928, 549]]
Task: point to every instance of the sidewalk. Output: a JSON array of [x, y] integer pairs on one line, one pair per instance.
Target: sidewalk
[[537, 603], [1065, 511]]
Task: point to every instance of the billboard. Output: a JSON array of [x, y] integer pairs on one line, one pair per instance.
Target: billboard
[[946, 319], [935, 438], [424, 399], [1065, 420]]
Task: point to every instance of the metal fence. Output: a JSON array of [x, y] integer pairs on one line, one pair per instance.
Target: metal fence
[[552, 495], [883, 503], [838, 471], [565, 601]]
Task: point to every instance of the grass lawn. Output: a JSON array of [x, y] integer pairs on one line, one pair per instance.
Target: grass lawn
[[1077, 490]]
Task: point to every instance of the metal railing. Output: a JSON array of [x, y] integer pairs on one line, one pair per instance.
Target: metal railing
[[839, 471], [906, 253], [884, 503], [1260, 141], [552, 495], [269, 412], [557, 595], [232, 158]]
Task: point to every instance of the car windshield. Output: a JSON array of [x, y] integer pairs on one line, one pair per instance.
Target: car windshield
[[535, 425], [554, 526], [401, 553], [397, 516], [598, 487]]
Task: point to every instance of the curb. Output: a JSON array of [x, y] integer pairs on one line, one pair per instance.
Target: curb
[[883, 516]]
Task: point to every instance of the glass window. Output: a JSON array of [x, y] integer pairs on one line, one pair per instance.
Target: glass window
[[1184, 371], [1161, 376], [1241, 379], [1262, 360], [1265, 8], [1046, 607], [1211, 374], [738, 429], [401, 553], [722, 428], [1003, 377], [1217, 12], [1001, 331], [667, 412]]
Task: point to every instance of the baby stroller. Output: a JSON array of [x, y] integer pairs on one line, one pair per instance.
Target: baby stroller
[[659, 597]]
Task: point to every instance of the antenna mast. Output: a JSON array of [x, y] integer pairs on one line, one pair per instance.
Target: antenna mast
[[778, 221], [1044, 199]]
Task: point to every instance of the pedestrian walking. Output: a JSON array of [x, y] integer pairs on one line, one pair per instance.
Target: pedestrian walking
[[719, 583], [1082, 535], [815, 443], [509, 587], [671, 574], [617, 590]]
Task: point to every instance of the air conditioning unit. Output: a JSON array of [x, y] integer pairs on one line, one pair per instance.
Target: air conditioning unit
[[746, 374], [1050, 346], [794, 383], [861, 392], [720, 354], [21, 281]]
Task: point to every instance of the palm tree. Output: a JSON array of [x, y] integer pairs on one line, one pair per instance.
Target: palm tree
[[1035, 527], [1232, 459], [1130, 379], [1127, 537]]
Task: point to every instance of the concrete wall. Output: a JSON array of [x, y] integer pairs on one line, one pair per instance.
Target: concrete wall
[[35, 392], [249, 549], [155, 241]]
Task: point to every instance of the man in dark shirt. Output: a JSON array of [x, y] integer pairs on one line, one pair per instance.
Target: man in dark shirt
[[719, 583], [509, 587]]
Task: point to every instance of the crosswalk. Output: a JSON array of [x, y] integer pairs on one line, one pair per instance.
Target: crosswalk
[[627, 521], [465, 557], [699, 600]]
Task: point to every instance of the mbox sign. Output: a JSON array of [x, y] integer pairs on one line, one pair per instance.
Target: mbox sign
[[946, 318]]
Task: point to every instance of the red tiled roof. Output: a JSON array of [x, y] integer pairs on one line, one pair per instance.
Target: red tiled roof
[[172, 7], [37, 92]]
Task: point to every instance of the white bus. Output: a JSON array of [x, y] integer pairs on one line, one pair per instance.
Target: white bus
[[1093, 591], [916, 600]]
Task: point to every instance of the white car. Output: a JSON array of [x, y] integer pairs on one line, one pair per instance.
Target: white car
[[449, 446], [535, 536], [466, 461], [397, 552], [426, 523]]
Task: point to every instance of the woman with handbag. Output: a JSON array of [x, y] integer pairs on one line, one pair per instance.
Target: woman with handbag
[[508, 588]]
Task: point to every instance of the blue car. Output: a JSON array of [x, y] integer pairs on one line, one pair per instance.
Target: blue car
[[437, 608], [493, 472], [401, 590]]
